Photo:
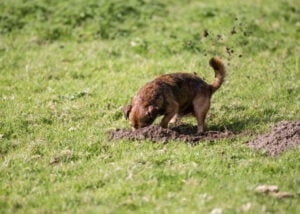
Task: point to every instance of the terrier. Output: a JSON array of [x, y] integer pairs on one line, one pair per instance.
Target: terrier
[[174, 95]]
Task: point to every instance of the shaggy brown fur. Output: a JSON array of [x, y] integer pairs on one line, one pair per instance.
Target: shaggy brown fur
[[173, 95]]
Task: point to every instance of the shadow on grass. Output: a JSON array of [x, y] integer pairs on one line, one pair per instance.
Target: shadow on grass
[[237, 126]]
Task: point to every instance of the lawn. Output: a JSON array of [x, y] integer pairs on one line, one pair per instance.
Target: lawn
[[67, 68]]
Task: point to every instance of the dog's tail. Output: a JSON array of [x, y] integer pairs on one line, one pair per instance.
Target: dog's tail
[[220, 72]]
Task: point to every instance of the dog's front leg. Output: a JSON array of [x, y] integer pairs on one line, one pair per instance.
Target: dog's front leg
[[170, 114], [174, 119], [165, 121]]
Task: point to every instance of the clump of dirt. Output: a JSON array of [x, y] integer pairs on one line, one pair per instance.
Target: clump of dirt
[[205, 33], [284, 135], [233, 31], [229, 51], [155, 133]]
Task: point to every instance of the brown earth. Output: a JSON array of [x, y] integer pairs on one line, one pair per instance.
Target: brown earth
[[186, 133], [284, 135]]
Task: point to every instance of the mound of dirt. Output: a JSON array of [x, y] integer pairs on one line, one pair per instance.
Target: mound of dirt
[[155, 133], [284, 135]]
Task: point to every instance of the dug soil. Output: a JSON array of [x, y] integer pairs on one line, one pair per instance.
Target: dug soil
[[155, 133], [284, 135]]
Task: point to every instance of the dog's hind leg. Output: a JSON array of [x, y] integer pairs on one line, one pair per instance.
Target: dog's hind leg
[[201, 105]]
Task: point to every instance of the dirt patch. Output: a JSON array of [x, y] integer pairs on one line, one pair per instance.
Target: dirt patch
[[284, 135], [155, 133]]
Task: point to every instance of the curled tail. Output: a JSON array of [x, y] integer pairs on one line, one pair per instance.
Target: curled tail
[[219, 68]]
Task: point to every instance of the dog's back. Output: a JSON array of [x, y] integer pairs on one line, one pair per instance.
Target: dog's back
[[179, 87]]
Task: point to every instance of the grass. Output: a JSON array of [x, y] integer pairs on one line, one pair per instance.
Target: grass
[[64, 81]]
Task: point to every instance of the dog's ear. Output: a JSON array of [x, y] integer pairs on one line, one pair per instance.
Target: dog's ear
[[127, 110]]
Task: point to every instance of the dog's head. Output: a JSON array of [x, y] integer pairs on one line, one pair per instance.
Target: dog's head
[[140, 116]]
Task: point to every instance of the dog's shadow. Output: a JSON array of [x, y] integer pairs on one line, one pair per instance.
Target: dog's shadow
[[235, 126], [238, 126]]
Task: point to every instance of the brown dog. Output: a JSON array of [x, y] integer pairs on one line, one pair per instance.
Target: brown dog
[[174, 95]]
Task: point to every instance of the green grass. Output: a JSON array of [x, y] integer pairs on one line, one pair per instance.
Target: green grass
[[67, 68]]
